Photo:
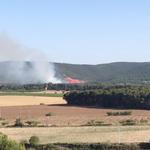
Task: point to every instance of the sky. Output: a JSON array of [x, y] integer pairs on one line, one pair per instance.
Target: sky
[[80, 31]]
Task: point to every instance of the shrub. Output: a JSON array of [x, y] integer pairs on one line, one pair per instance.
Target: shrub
[[7, 144], [143, 121], [34, 140], [24, 142], [96, 123], [128, 122], [4, 123], [49, 114], [88, 146], [42, 104], [122, 113], [32, 123], [18, 123]]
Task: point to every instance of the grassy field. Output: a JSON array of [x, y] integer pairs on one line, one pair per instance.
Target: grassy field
[[82, 134]]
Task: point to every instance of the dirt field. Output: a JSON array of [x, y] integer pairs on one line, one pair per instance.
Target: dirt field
[[81, 134], [64, 115], [29, 100]]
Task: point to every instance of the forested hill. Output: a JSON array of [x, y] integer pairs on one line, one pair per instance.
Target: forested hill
[[119, 72]]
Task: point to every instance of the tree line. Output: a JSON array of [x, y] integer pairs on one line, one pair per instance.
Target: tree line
[[50, 86], [131, 97]]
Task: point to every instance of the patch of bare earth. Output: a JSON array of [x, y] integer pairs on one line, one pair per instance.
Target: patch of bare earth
[[64, 115]]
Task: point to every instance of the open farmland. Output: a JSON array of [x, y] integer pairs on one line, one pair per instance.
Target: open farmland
[[63, 115], [67, 122], [82, 134], [29, 100]]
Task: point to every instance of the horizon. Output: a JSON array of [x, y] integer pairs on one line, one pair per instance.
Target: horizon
[[7, 61]]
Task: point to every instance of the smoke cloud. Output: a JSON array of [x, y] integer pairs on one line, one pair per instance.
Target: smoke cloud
[[22, 65]]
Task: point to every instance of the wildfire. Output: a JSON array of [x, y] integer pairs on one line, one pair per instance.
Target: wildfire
[[73, 81]]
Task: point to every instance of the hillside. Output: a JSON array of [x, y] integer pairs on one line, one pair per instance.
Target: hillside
[[119, 72]]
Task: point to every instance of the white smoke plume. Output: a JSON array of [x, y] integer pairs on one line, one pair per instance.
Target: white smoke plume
[[22, 65]]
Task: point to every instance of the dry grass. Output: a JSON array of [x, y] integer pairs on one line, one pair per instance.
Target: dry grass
[[81, 134], [29, 100]]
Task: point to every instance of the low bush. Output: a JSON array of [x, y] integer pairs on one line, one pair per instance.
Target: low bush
[[7, 144], [42, 104], [97, 123], [143, 121], [32, 123], [24, 142], [128, 122], [121, 113], [86, 146], [49, 114], [4, 123], [34, 140], [18, 123]]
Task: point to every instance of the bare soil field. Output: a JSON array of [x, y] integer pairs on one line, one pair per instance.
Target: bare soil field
[[81, 134], [64, 115], [29, 100]]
